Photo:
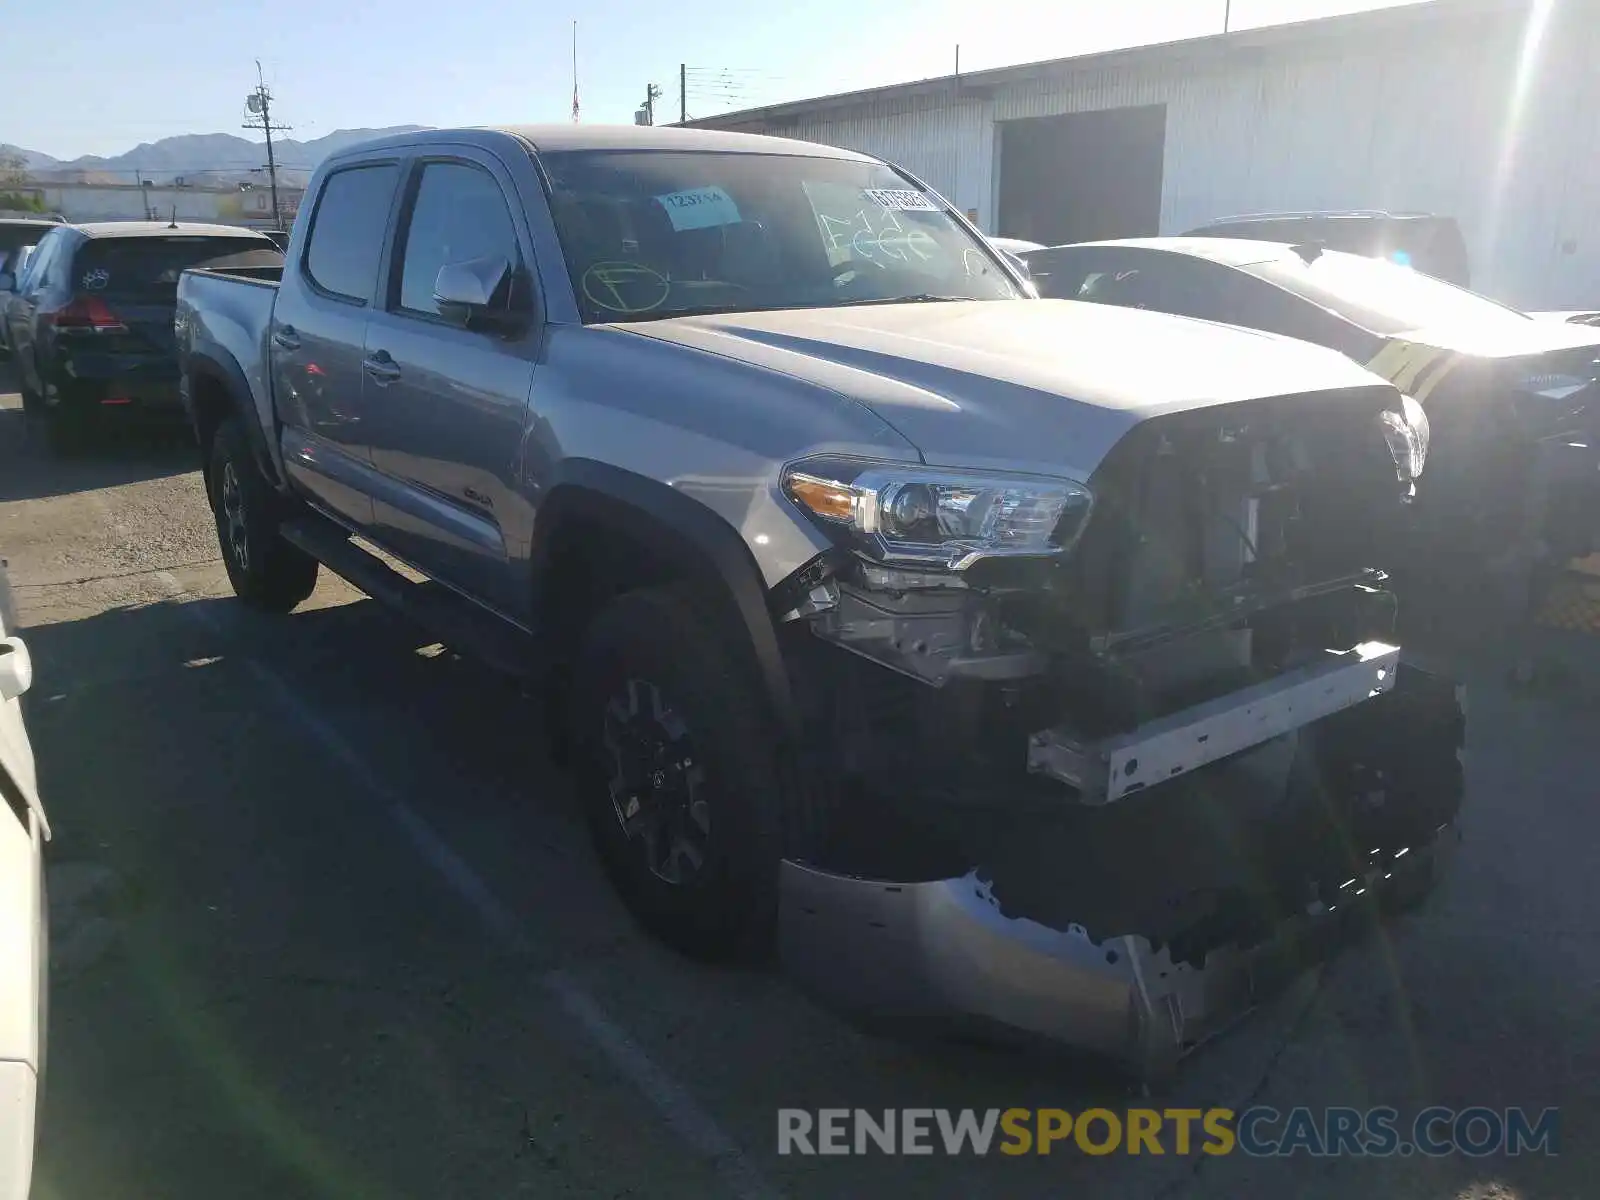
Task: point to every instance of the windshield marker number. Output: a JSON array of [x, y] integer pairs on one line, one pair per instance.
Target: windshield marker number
[[900, 200], [699, 208]]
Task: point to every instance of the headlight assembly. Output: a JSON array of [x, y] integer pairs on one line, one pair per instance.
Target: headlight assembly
[[930, 517], [1406, 432]]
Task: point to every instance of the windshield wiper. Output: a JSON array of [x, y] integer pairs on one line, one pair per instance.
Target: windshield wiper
[[916, 298], [695, 310], [706, 310]]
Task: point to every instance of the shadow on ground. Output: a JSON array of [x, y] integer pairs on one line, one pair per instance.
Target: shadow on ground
[[115, 455], [222, 856]]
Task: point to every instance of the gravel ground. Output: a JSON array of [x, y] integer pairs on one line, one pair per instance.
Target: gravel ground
[[325, 924]]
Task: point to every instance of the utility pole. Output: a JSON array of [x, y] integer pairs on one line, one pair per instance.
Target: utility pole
[[683, 93], [647, 111], [259, 105], [1227, 14]]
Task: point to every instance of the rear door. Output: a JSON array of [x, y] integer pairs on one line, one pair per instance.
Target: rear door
[[447, 405], [318, 334]]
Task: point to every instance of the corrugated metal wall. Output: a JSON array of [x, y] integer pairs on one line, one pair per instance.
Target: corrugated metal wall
[[1414, 120], [949, 143]]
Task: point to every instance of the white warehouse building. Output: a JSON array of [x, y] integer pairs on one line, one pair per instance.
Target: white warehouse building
[[1485, 110]]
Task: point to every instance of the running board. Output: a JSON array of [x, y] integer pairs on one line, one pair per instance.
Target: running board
[[455, 621]]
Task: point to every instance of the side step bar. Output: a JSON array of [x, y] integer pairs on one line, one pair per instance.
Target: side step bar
[[454, 620]]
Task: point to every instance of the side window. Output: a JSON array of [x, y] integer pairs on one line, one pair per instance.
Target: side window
[[1065, 276], [1259, 305], [347, 230], [1154, 281], [33, 274], [459, 215]]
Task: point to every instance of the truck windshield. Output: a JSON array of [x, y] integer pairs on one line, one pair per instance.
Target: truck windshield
[[651, 234]]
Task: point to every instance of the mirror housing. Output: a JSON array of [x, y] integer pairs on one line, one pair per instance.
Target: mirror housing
[[16, 668], [476, 294]]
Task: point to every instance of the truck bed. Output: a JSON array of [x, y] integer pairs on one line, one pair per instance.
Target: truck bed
[[223, 317]]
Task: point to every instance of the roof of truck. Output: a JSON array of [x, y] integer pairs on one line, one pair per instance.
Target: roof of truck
[[124, 229], [556, 139]]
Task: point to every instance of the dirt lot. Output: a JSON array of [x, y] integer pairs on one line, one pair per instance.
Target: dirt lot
[[325, 924]]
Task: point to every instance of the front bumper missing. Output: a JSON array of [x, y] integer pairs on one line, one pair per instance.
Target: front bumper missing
[[943, 952]]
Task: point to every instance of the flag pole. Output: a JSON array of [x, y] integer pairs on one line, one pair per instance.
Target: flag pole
[[574, 72]]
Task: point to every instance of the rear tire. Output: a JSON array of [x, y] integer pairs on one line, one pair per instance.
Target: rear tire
[[679, 774], [266, 571]]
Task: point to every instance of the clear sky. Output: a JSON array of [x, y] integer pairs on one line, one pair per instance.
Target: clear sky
[[100, 77]]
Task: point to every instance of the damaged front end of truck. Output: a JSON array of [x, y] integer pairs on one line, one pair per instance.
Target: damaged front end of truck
[[1112, 759]]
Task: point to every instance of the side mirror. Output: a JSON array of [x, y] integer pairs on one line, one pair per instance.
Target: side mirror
[[16, 668], [8, 282], [475, 293]]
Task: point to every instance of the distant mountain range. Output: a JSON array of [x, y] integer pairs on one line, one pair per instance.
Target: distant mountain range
[[197, 158]]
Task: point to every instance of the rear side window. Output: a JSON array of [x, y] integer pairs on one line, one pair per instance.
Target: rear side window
[[460, 215], [347, 230], [147, 267], [47, 252]]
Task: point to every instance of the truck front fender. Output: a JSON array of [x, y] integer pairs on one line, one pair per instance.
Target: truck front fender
[[667, 535]]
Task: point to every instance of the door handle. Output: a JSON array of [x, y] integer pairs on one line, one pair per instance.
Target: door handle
[[286, 338], [380, 368]]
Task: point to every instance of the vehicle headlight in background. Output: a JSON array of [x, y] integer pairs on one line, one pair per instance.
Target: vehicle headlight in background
[[1406, 432], [937, 518]]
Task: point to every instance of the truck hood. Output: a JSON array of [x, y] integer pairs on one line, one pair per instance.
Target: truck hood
[[1035, 385]]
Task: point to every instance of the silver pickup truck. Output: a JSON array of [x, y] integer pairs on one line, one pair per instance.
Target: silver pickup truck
[[1013, 663]]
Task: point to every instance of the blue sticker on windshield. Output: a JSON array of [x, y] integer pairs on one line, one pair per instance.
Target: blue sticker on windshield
[[699, 208]]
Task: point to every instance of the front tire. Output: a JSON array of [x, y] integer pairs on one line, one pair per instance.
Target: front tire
[[266, 571], [679, 774]]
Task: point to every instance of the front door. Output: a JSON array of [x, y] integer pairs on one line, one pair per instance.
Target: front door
[[447, 404], [318, 336]]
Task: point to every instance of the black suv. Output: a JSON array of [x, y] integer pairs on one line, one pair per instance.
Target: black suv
[[1432, 244], [90, 320]]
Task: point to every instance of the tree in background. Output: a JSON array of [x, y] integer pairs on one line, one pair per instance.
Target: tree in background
[[13, 179]]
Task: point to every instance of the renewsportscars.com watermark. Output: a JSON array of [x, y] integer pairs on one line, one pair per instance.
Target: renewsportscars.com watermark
[[1259, 1131]]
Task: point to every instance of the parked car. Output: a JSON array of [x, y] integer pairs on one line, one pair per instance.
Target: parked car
[[882, 610], [24, 936], [1014, 246], [1581, 316], [1512, 489], [90, 319], [1430, 243], [18, 236], [1014, 249]]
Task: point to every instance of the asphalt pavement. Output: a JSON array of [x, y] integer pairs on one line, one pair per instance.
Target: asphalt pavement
[[326, 924]]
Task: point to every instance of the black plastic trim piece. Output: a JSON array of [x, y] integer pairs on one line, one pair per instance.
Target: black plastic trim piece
[[676, 527]]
